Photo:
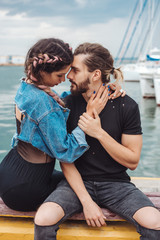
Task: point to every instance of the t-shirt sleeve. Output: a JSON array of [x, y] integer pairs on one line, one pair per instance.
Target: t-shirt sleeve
[[131, 118]]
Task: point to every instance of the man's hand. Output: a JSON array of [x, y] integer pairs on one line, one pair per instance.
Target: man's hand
[[93, 215], [90, 125]]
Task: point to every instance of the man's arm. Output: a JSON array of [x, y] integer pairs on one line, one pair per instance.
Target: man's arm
[[93, 213], [127, 153]]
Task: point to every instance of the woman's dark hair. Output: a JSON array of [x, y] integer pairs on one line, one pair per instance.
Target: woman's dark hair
[[98, 57], [48, 55]]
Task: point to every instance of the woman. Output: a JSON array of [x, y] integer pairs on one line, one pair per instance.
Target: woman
[[26, 173]]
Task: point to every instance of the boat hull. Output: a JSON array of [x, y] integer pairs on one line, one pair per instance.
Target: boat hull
[[147, 86], [157, 88], [130, 73]]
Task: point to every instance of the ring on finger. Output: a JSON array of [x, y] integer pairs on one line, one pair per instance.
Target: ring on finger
[[121, 90]]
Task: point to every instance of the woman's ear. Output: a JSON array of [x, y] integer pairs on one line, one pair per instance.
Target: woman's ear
[[42, 76], [96, 75]]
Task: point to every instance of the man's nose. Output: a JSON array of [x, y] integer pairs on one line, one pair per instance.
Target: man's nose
[[69, 75]]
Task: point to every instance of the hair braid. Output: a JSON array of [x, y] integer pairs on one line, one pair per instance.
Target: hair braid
[[48, 55]]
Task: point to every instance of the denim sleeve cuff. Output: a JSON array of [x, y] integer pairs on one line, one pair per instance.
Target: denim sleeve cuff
[[65, 94], [14, 140], [80, 136]]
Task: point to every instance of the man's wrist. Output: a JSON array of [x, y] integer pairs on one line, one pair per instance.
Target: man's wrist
[[85, 200], [90, 113], [100, 134]]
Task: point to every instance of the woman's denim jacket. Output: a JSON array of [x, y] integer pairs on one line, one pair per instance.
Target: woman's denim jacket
[[44, 125]]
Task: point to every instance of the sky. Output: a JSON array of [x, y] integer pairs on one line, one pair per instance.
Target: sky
[[23, 22]]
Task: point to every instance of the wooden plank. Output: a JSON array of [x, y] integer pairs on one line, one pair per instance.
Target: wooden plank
[[146, 184], [18, 229], [113, 231]]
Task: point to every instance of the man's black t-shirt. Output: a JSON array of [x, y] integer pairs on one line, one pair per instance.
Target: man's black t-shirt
[[119, 116]]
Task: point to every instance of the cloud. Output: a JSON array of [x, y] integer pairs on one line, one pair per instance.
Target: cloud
[[75, 21], [81, 11], [19, 32], [81, 3]]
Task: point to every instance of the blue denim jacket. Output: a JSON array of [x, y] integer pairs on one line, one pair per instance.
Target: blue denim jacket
[[44, 125]]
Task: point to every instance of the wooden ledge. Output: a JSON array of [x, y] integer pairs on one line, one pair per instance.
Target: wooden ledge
[[110, 216]]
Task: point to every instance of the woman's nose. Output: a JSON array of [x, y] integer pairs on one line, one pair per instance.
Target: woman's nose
[[63, 79]]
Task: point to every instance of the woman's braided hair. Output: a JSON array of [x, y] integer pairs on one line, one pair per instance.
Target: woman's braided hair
[[48, 55]]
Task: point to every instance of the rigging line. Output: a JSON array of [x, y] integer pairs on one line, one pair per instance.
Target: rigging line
[[138, 40], [156, 17], [155, 20], [137, 44], [134, 30], [125, 35], [143, 34]]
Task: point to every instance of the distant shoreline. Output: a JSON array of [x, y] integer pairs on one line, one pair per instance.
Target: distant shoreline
[[11, 64]]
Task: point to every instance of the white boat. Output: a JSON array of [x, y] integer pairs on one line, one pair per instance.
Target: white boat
[[131, 73], [146, 81], [147, 71], [157, 86]]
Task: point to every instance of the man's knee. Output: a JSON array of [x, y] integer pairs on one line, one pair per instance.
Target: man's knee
[[48, 214], [148, 217]]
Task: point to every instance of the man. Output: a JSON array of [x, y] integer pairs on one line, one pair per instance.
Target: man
[[115, 141]]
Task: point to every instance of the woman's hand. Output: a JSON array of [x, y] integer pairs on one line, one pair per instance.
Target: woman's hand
[[98, 100], [117, 88], [90, 125], [93, 214]]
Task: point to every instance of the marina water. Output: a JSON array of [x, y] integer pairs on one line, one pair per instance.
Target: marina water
[[149, 165]]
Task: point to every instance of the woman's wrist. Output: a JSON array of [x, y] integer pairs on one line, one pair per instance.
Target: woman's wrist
[[90, 113]]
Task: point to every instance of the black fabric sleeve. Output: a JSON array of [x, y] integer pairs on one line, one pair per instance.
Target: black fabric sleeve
[[68, 103], [131, 117]]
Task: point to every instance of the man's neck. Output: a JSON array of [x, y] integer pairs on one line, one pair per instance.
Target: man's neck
[[86, 97], [88, 94]]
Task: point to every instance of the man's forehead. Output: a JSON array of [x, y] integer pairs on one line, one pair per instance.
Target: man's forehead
[[78, 60], [79, 57]]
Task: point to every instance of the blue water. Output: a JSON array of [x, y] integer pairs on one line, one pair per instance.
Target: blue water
[[149, 165]]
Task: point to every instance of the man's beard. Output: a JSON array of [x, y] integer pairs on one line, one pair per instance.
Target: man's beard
[[81, 88]]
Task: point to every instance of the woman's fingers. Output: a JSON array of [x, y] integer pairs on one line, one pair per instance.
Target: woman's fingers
[[118, 93], [92, 97], [123, 93], [101, 90], [105, 95], [95, 113]]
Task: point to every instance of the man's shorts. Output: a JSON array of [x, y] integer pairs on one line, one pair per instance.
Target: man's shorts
[[121, 198]]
